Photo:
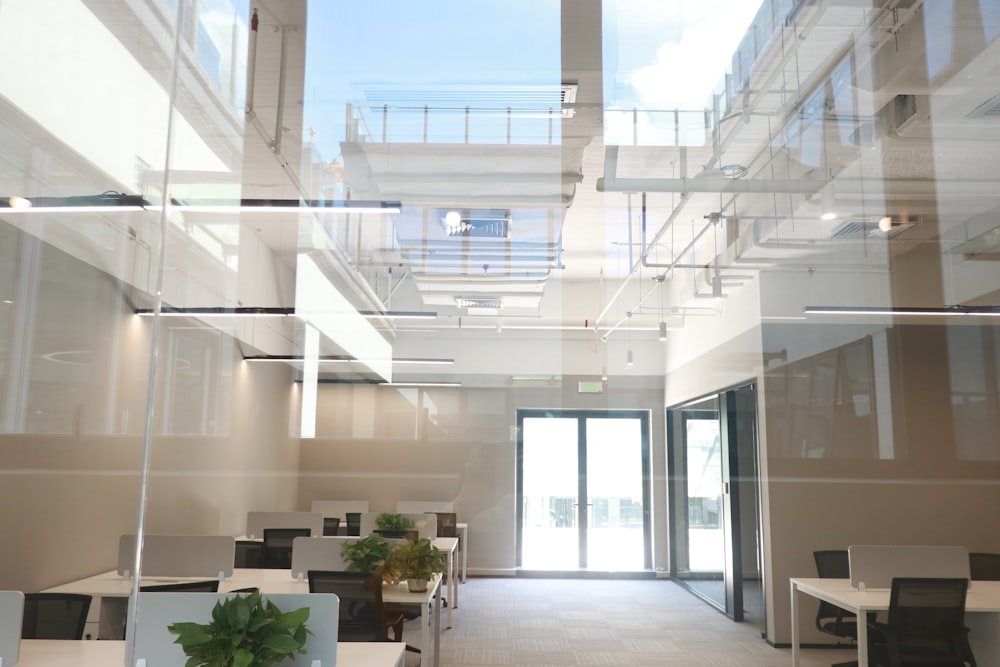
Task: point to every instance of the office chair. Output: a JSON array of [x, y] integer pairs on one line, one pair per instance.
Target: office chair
[[831, 619], [447, 524], [278, 546], [248, 554], [353, 523], [926, 625], [54, 615], [206, 586], [331, 525], [984, 567], [362, 617]]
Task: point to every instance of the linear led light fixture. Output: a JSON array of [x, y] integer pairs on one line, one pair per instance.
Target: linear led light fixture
[[286, 206], [343, 359], [218, 311], [103, 203], [212, 311], [118, 202], [420, 384], [946, 311]]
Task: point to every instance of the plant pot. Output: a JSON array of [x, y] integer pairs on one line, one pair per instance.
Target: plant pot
[[416, 585]]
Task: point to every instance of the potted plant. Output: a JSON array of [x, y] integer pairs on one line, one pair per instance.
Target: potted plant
[[390, 524], [245, 630], [365, 554], [416, 561]]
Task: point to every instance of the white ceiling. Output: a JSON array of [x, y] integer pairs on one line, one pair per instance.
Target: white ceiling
[[576, 265]]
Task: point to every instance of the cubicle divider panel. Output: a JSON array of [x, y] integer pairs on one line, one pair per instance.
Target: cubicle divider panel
[[424, 506], [258, 521], [339, 508], [179, 555], [155, 645], [11, 612], [426, 523], [874, 566], [318, 553]]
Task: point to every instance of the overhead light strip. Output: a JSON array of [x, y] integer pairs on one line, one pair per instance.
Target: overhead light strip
[[109, 202], [343, 359], [213, 311], [946, 311]]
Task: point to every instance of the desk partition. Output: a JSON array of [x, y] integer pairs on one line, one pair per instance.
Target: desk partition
[[426, 523], [874, 566], [11, 612], [258, 521], [179, 555], [155, 646], [321, 553]]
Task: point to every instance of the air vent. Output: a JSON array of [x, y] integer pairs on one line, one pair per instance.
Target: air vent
[[490, 303], [989, 109], [859, 229], [484, 224]]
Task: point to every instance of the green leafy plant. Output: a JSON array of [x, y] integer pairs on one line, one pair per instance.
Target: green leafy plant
[[245, 630], [392, 521], [365, 554], [418, 559]]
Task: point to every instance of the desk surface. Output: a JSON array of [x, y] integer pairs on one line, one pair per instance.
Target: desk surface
[[57, 653], [113, 585], [983, 596]]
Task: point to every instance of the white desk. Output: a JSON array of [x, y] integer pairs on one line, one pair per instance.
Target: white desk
[[983, 596], [110, 585], [60, 653]]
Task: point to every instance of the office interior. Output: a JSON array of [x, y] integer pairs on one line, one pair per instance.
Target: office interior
[[329, 252]]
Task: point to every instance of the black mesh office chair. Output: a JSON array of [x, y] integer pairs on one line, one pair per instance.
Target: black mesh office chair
[[54, 615], [984, 567], [278, 546], [331, 525], [831, 619], [249, 553], [353, 523], [926, 625], [205, 586], [361, 611]]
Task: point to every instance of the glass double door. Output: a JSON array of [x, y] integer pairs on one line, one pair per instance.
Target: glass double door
[[583, 490]]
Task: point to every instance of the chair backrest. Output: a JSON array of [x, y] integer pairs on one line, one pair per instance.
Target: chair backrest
[[926, 605], [331, 526], [206, 586], [447, 524], [354, 524], [831, 619], [54, 615], [832, 564], [249, 554], [984, 567], [278, 546], [360, 603]]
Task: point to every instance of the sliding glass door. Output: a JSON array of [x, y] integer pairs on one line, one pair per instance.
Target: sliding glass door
[[714, 491], [583, 480]]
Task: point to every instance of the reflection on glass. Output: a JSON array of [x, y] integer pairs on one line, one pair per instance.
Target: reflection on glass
[[704, 484]]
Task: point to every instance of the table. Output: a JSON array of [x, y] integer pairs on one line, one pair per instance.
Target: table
[[109, 585], [983, 596], [59, 653]]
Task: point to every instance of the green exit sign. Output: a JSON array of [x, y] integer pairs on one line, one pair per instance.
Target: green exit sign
[[589, 387]]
